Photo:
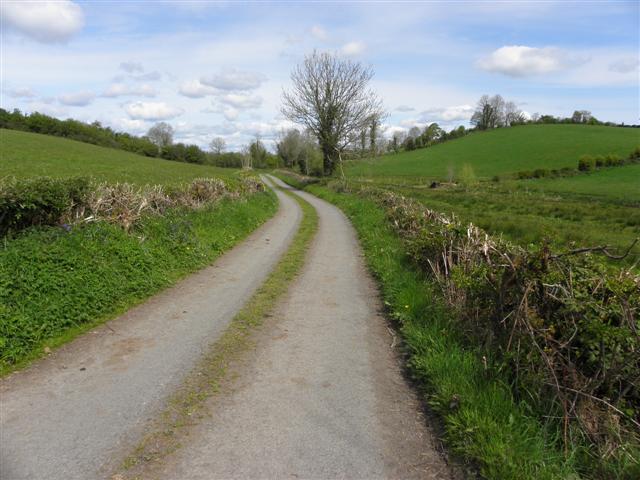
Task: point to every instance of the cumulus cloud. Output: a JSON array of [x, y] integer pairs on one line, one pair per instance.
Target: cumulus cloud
[[235, 80], [320, 33], [77, 99], [43, 21], [132, 67], [22, 92], [124, 90], [241, 101], [353, 48], [625, 65], [447, 114], [152, 111], [522, 61], [195, 89], [404, 108]]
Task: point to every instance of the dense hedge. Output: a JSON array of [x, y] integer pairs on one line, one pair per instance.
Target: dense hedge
[[586, 163], [564, 328]]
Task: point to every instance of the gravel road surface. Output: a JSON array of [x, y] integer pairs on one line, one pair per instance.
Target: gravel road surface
[[322, 395], [76, 413]]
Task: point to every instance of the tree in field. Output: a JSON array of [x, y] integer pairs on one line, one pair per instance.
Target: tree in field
[[218, 145], [512, 114], [581, 116], [161, 135], [489, 112], [297, 149], [258, 153], [331, 98], [374, 126]]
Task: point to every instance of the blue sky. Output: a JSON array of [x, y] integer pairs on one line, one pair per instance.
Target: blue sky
[[218, 68]]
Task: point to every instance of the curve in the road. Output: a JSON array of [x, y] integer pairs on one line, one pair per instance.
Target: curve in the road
[[323, 395], [70, 416]]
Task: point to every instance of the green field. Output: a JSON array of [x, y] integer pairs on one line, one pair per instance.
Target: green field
[[501, 152], [24, 154], [618, 183], [569, 212]]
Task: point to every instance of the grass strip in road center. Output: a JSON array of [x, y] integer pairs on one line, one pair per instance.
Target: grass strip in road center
[[188, 404]]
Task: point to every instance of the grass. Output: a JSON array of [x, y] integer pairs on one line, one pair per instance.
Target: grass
[[483, 422], [500, 152], [188, 404], [621, 184], [24, 154], [598, 208], [56, 284]]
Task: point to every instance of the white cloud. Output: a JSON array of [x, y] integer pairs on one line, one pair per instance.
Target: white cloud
[[353, 48], [77, 99], [43, 21], [230, 113], [22, 92], [123, 90], [522, 61], [447, 114], [129, 125], [195, 89], [152, 111], [132, 67], [241, 101], [235, 80], [320, 33], [148, 77], [625, 65], [404, 108]]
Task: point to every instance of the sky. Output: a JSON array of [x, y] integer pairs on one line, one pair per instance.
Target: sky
[[218, 69]]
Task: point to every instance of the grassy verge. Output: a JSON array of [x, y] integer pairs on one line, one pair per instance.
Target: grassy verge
[[483, 422], [188, 404], [57, 283]]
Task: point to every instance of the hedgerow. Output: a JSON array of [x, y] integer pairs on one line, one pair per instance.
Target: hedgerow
[[563, 328], [48, 201]]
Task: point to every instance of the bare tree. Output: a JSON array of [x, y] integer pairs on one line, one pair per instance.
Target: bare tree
[[331, 98], [161, 135], [489, 113], [218, 145], [512, 114], [246, 158]]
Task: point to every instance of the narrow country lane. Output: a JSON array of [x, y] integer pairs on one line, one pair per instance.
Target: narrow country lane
[[75, 413], [322, 395]]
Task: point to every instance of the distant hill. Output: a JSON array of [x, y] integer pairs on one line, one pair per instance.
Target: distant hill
[[24, 154], [504, 151]]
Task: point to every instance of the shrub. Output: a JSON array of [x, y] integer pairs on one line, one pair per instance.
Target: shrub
[[613, 160], [600, 161], [524, 174], [39, 201], [586, 163], [562, 326], [635, 154], [541, 173], [467, 175]]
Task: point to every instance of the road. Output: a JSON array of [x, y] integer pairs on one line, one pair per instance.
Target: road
[[323, 395], [77, 413]]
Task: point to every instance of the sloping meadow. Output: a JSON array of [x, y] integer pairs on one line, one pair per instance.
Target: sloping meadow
[[76, 252]]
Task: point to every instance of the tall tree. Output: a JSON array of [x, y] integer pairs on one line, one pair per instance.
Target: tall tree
[[218, 145], [161, 135], [330, 96]]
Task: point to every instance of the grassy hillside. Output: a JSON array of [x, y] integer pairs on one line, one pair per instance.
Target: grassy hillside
[[597, 208], [24, 154], [502, 151]]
